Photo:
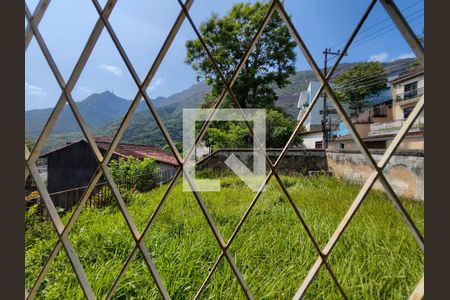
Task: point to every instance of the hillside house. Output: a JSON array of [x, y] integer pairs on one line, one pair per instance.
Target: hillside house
[[412, 141], [313, 137], [378, 112], [73, 165], [406, 92], [379, 124]]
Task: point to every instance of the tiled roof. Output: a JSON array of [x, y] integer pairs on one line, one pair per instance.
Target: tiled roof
[[411, 74], [125, 150], [138, 151]]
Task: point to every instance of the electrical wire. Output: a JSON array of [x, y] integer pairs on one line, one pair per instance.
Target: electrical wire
[[383, 33], [392, 70], [386, 69], [380, 22], [361, 86], [392, 25], [370, 82]]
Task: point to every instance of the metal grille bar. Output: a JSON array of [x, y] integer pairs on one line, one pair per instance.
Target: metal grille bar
[[37, 16], [62, 231]]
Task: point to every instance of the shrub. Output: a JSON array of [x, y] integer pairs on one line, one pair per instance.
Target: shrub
[[134, 173], [31, 216]]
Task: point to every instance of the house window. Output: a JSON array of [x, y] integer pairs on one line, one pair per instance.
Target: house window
[[407, 111], [318, 144], [341, 146], [380, 111], [410, 90], [376, 144]]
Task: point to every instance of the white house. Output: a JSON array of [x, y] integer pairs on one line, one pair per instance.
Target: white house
[[406, 92], [313, 138]]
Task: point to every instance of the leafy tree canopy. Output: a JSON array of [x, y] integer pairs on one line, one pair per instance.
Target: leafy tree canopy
[[178, 145], [270, 64], [142, 173], [358, 82], [236, 134], [29, 143]]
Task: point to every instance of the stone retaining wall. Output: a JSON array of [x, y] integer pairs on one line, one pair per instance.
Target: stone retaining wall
[[405, 170], [295, 161]]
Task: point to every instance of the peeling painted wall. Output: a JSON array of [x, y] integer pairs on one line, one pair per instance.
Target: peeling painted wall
[[405, 171]]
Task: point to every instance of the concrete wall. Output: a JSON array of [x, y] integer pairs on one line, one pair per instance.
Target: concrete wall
[[310, 139], [362, 129], [409, 143], [405, 171], [295, 161]]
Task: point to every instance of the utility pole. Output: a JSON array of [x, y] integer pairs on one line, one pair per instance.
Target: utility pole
[[325, 130]]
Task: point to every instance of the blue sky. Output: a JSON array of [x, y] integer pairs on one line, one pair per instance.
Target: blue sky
[[142, 26]]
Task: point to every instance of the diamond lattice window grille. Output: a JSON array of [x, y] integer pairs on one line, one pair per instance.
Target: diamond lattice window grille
[[66, 97]]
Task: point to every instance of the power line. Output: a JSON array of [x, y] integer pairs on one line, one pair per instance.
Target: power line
[[368, 83], [391, 69], [361, 86], [389, 25], [386, 69], [380, 22], [373, 37], [375, 80], [389, 72], [383, 33]]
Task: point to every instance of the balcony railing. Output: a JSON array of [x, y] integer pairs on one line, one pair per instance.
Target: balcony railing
[[410, 94], [397, 124]]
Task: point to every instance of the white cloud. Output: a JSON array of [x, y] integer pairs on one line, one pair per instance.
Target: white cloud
[[406, 55], [381, 57], [34, 90], [84, 89], [158, 82], [111, 69]]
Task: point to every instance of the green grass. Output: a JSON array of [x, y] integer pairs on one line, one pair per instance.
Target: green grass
[[376, 258]]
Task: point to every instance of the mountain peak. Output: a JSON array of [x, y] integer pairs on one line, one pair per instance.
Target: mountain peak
[[106, 92], [103, 97]]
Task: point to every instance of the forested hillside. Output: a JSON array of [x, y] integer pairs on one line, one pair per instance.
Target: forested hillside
[[103, 112]]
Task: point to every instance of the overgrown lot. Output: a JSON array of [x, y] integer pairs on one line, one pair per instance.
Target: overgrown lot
[[376, 258]]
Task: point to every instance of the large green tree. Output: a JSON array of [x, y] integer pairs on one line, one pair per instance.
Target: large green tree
[[270, 63], [358, 82], [236, 134], [268, 66]]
